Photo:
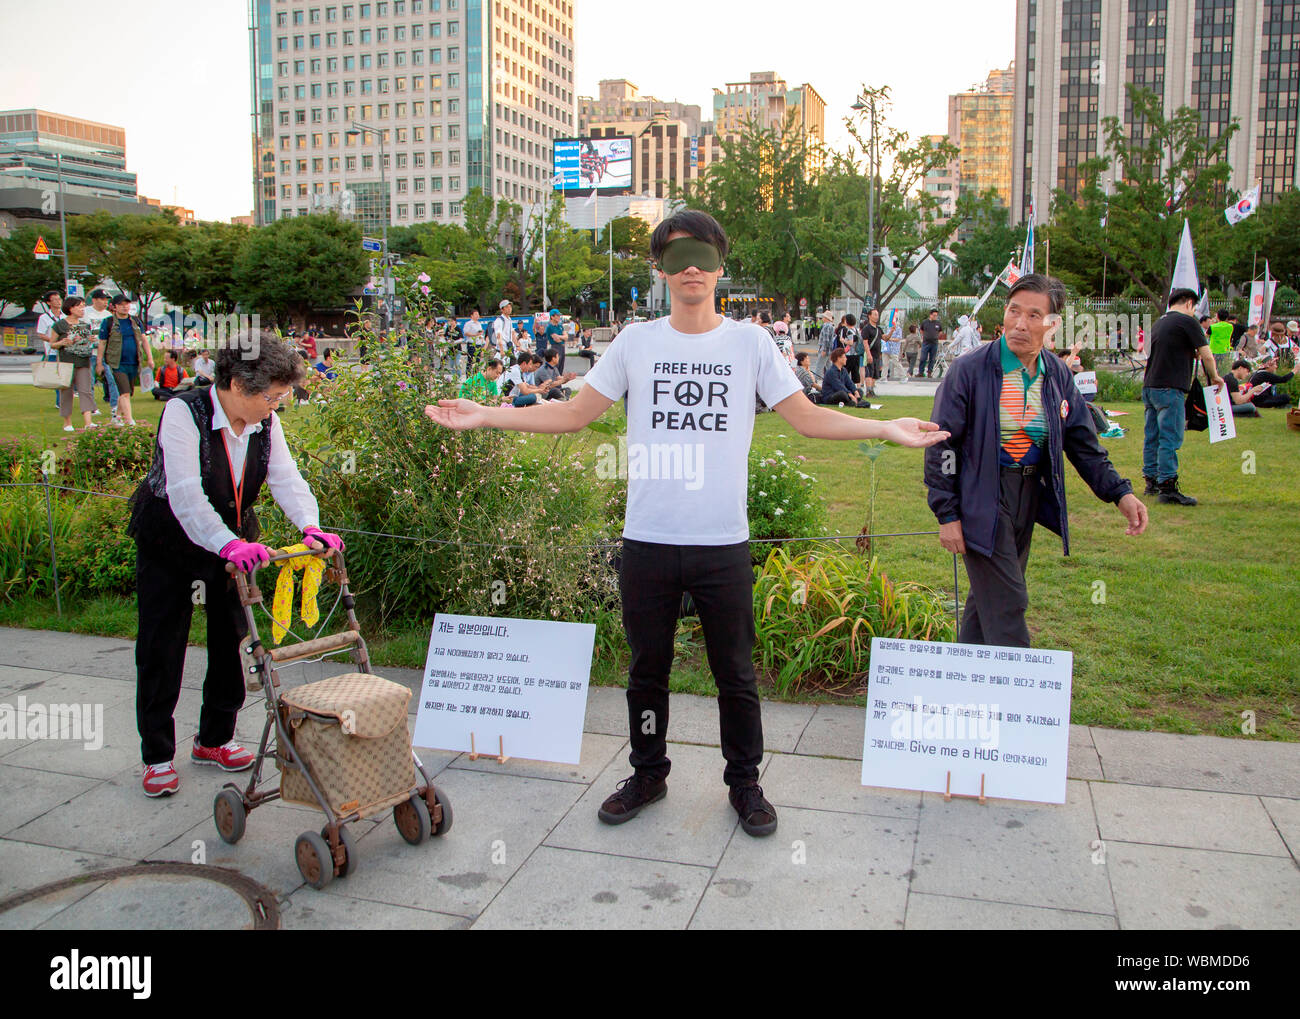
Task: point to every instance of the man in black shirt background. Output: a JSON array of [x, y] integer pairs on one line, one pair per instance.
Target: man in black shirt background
[[1177, 340], [930, 330]]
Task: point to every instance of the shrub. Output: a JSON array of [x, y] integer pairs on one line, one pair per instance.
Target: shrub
[[100, 459], [25, 566], [99, 556], [1118, 387], [782, 503], [815, 613]]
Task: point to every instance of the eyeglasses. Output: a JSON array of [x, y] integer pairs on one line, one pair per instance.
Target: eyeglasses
[[273, 401]]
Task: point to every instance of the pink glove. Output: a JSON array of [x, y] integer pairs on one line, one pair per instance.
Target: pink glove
[[324, 537], [246, 554]]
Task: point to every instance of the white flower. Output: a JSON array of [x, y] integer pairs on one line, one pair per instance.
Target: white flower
[[780, 453], [778, 511], [762, 494]]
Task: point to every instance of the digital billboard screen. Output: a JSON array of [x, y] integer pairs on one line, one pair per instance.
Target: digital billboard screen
[[582, 164]]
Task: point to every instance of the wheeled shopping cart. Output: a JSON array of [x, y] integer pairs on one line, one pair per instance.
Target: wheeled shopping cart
[[340, 744]]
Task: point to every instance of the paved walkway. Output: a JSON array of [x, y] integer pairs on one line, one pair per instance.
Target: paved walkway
[[1159, 831]]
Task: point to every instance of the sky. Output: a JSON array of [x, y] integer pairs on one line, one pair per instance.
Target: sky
[[184, 98]]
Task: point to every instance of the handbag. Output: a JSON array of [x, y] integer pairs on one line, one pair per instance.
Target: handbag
[[146, 380], [1198, 419], [51, 375]]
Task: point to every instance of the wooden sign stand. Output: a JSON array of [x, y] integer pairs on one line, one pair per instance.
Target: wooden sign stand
[[948, 794], [500, 755]]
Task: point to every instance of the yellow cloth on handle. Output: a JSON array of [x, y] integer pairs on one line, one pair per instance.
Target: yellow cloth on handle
[[313, 567]]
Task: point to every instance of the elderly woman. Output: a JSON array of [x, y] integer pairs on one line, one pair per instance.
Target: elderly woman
[[193, 514]]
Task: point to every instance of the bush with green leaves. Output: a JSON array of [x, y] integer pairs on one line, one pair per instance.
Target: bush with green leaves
[[25, 521], [816, 610], [782, 501], [1118, 387], [98, 556]]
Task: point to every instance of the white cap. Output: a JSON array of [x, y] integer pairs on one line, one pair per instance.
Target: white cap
[[503, 304]]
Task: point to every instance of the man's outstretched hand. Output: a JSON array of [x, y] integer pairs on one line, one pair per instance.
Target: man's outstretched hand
[[913, 432], [1135, 513], [460, 415]]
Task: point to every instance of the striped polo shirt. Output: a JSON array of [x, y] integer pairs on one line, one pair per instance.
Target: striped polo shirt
[[1022, 426]]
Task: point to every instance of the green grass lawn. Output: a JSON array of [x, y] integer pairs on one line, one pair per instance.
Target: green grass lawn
[[1179, 630]]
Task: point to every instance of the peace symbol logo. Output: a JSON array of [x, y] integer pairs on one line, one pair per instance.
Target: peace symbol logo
[[688, 393]]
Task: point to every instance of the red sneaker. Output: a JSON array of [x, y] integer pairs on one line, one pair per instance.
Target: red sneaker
[[160, 779], [231, 757]]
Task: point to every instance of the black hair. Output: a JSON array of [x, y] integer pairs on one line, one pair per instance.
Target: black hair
[[493, 363], [765, 318], [935, 311], [1181, 295], [699, 225], [801, 357], [1203, 319], [911, 327], [838, 353], [1240, 364], [1223, 314], [175, 355], [850, 320], [552, 354], [50, 293], [327, 353], [1036, 283], [71, 302], [259, 360]]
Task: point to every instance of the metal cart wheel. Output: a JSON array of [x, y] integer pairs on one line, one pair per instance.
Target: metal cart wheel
[[412, 819], [315, 862], [440, 798], [229, 815], [352, 856]]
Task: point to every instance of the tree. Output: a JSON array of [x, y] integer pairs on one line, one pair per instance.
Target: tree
[[1167, 173], [120, 247], [631, 236], [296, 264], [196, 268], [992, 243], [23, 277]]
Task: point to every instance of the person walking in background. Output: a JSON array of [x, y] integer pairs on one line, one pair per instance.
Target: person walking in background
[[911, 350], [849, 339], [931, 335], [825, 343], [872, 335], [71, 340], [121, 344]]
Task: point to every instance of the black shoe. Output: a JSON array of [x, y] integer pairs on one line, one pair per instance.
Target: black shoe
[[1152, 487], [631, 795], [1169, 493], [757, 816]]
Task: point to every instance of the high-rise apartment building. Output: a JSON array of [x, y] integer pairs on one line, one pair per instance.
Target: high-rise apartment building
[[943, 182], [980, 124], [460, 94], [1224, 58], [767, 101], [671, 145]]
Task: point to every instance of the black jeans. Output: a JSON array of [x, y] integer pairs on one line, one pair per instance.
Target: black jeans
[[720, 580], [999, 596], [167, 593]]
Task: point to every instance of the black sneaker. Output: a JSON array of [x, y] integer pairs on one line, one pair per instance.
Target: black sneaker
[[757, 816], [631, 795], [1169, 493], [1153, 487]]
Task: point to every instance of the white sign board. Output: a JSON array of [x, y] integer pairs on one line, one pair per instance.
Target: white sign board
[[1086, 382], [519, 685], [1218, 408], [1258, 299], [941, 716]]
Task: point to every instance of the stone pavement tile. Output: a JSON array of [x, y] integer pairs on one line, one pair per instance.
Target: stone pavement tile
[[820, 869], [120, 748], [110, 657], [116, 817], [67, 687], [597, 752], [947, 913], [499, 820], [31, 915], [694, 719], [1286, 816], [266, 852], [29, 793], [1026, 853], [1159, 888], [30, 866], [607, 710], [309, 910], [559, 889], [835, 730], [1185, 817], [692, 824], [1215, 763], [794, 780], [156, 902], [784, 725], [17, 679], [1083, 762]]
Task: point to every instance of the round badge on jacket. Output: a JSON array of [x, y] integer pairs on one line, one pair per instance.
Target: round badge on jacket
[[1065, 409]]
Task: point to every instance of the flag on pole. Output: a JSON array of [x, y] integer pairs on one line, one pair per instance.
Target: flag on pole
[[591, 199], [1185, 276], [1010, 275], [1270, 286], [1242, 207], [1027, 261]]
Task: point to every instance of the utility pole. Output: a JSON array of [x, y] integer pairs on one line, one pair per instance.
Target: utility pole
[[386, 307], [870, 104], [63, 223]]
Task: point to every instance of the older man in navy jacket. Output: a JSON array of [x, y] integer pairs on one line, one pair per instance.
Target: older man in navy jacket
[[1014, 416]]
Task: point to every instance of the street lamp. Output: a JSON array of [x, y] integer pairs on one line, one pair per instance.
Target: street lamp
[[356, 129], [870, 104]]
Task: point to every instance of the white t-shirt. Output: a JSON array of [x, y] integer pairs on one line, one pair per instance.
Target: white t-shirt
[[690, 421], [44, 325], [473, 328]]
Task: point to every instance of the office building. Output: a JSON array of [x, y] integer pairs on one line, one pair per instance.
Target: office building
[[461, 94], [980, 124], [767, 101], [1224, 58]]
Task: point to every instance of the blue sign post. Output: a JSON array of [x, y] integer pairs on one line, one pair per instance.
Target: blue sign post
[[371, 244], [634, 293]]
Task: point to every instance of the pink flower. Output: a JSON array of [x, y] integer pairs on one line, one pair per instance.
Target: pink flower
[[424, 290], [424, 278]]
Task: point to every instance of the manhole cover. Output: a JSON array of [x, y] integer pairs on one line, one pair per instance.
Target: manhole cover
[[148, 896]]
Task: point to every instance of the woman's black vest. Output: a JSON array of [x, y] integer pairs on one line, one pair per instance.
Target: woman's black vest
[[153, 525]]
